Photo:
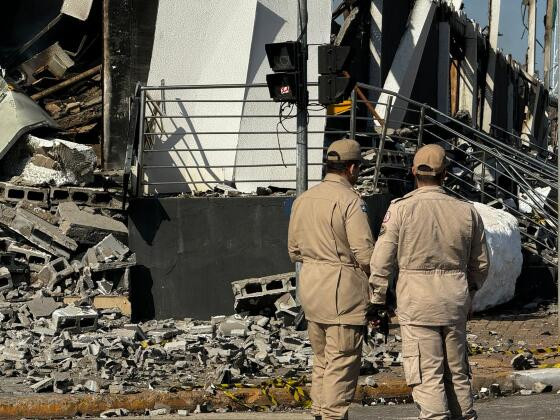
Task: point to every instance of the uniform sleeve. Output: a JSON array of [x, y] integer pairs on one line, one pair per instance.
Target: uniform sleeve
[[293, 247], [384, 255], [359, 233], [478, 266]]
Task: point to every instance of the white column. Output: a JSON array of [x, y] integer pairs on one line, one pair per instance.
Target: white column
[[404, 68], [532, 37], [375, 42], [494, 19]]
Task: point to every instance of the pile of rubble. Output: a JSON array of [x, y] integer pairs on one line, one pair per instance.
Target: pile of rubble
[[58, 66], [76, 348]]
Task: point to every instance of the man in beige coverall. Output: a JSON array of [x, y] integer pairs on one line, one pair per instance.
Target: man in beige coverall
[[440, 247], [329, 233]]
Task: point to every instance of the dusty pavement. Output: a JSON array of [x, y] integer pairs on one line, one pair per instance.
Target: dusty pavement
[[534, 407]]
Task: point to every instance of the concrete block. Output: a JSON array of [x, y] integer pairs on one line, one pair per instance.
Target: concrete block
[[278, 284], [91, 197], [5, 279], [73, 318], [110, 249], [37, 231], [36, 259], [86, 228], [17, 193], [54, 272]]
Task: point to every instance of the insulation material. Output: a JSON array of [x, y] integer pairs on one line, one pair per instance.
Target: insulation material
[[276, 21], [199, 42], [54, 162], [535, 198], [504, 247]]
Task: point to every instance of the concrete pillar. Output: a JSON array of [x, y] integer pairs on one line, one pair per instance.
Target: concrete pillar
[[510, 100], [548, 42], [532, 38], [404, 68], [375, 42], [494, 22], [443, 68], [468, 88]]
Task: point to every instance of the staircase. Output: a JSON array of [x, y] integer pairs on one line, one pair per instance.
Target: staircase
[[509, 173]]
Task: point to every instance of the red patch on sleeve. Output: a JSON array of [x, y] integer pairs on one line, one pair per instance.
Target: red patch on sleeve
[[387, 217]]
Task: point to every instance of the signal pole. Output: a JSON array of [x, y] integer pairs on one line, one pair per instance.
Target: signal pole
[[557, 34], [303, 99]]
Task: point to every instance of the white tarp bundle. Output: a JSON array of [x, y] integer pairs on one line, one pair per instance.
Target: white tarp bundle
[[504, 246]]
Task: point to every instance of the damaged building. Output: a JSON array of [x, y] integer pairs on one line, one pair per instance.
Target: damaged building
[[147, 178]]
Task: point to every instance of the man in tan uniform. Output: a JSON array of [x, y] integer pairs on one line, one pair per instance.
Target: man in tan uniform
[[329, 233], [439, 246]]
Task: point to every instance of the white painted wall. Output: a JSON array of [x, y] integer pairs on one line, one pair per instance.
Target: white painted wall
[[222, 42], [276, 21], [199, 42]]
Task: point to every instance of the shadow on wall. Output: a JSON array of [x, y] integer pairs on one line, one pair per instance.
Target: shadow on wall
[[141, 297]]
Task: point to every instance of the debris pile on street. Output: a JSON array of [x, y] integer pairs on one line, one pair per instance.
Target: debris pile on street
[[60, 347]]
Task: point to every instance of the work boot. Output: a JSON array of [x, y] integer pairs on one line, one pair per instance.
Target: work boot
[[318, 417]]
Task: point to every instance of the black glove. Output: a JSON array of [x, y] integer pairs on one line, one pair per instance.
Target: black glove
[[379, 315]]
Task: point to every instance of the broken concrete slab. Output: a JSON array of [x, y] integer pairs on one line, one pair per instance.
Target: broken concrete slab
[[42, 306], [37, 231], [89, 229], [527, 379]]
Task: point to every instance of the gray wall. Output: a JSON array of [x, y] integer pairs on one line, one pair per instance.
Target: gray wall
[[189, 250]]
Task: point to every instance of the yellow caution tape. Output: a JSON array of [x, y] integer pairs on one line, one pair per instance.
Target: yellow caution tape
[[548, 366], [542, 350], [294, 386]]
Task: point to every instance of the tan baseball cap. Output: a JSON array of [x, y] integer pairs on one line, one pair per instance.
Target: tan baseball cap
[[344, 150], [432, 156]]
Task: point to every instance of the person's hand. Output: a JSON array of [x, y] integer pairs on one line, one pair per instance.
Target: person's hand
[[374, 314]]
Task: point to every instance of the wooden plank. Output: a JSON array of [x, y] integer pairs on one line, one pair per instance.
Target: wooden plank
[[106, 302]]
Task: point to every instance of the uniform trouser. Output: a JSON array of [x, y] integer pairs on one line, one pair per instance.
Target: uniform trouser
[[436, 366], [336, 366]]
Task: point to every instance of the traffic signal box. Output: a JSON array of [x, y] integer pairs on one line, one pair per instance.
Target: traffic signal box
[[286, 61], [334, 86]]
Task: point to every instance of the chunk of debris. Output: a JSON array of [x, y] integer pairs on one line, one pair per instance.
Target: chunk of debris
[[37, 231], [89, 229], [540, 387], [42, 306]]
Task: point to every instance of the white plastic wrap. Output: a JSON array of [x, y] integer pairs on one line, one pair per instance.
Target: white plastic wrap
[[504, 246]]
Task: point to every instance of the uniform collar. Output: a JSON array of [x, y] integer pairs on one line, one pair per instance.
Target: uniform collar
[[332, 177], [425, 190]]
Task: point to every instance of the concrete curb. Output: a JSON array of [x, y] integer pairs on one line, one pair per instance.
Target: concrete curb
[[57, 405], [67, 405]]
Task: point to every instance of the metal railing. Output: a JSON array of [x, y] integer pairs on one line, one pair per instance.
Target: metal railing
[[512, 175], [193, 137]]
